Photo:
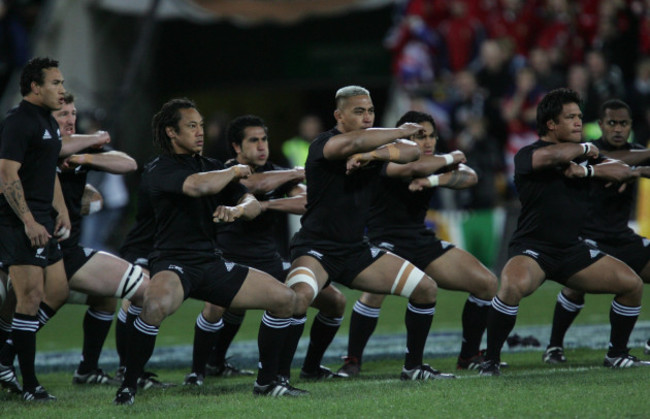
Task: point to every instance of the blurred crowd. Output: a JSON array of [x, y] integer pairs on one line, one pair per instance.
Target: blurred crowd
[[17, 19], [481, 66]]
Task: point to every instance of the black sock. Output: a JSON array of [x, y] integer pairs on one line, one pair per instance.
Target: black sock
[[205, 337], [8, 352], [321, 335], [418, 320], [501, 320], [270, 341], [363, 322], [96, 326], [291, 344], [5, 331], [622, 319], [121, 336], [141, 344], [45, 313], [23, 334], [474, 324], [231, 324], [565, 312]]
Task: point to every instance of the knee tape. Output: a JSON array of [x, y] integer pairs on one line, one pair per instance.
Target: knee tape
[[406, 280], [304, 275], [131, 281]]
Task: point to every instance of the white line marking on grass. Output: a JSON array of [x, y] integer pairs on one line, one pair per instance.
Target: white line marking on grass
[[439, 344]]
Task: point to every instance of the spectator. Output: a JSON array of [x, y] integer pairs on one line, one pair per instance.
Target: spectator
[[519, 112], [548, 77], [605, 82], [295, 149], [515, 19], [462, 34]]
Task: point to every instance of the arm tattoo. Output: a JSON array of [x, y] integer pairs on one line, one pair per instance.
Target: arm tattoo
[[16, 197], [457, 180]]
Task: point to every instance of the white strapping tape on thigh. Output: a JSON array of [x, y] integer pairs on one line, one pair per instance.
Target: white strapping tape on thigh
[[306, 276], [131, 281], [406, 280]]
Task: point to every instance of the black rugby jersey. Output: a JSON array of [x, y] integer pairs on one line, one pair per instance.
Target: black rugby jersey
[[553, 207], [254, 238], [30, 135], [608, 218], [337, 204], [184, 223], [139, 240], [73, 185], [396, 211]]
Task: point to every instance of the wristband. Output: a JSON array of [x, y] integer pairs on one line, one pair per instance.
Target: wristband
[[585, 148], [434, 180], [449, 159], [589, 171]]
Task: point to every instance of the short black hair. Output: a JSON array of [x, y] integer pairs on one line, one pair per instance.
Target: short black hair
[[416, 118], [68, 98], [168, 116], [551, 106], [33, 72], [236, 127], [613, 104]]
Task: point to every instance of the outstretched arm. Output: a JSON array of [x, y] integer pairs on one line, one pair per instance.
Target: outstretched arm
[[115, 162], [293, 204], [643, 171], [562, 154], [247, 208], [210, 183], [71, 144], [461, 178], [610, 170], [425, 165], [261, 183], [631, 157], [343, 146], [400, 151]]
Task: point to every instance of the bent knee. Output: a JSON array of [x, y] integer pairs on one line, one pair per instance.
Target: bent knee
[[372, 300], [631, 284], [304, 296], [574, 296], [284, 303], [105, 304], [31, 299], [155, 310], [338, 305], [486, 286], [426, 292], [212, 313]]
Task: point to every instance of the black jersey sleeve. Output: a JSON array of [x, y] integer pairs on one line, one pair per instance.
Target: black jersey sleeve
[[168, 176], [15, 139], [524, 161]]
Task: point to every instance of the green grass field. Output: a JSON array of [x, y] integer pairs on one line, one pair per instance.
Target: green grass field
[[528, 388], [64, 330], [581, 388]]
